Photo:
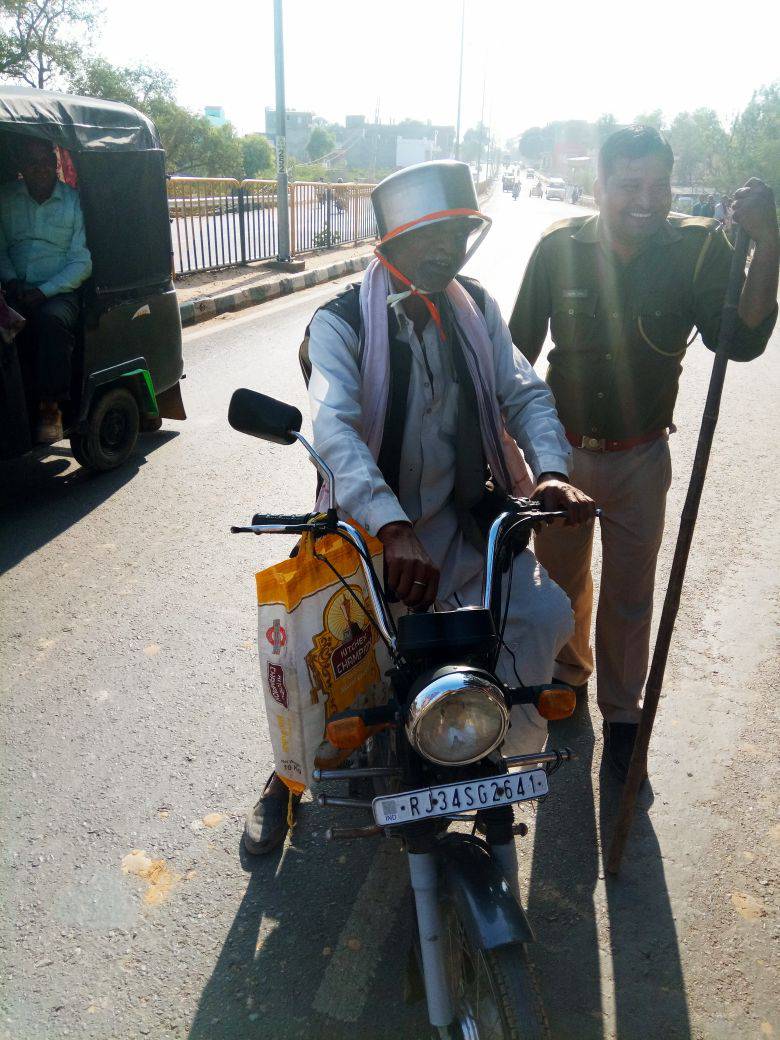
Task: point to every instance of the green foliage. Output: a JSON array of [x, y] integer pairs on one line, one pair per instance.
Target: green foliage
[[606, 125], [699, 143], [326, 238], [474, 140], [137, 85], [654, 119], [37, 43], [321, 142], [536, 142], [192, 145], [754, 145], [195, 147], [257, 155]]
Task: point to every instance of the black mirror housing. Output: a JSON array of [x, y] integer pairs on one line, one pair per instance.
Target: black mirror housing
[[264, 417]]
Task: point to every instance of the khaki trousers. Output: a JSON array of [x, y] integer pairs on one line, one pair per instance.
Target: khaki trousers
[[630, 487]]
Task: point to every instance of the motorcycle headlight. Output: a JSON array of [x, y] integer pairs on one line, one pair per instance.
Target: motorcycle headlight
[[458, 717]]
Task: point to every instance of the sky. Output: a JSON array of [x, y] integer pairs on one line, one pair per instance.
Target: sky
[[534, 63]]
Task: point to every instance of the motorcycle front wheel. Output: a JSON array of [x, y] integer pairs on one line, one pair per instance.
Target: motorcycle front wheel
[[494, 992]]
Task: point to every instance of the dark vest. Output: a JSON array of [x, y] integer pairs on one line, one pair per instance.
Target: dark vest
[[475, 500]]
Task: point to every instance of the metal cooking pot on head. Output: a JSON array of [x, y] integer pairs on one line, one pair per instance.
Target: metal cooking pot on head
[[429, 187]]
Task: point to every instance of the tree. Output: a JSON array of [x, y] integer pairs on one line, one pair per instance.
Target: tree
[[654, 119], [257, 154], [536, 143], [136, 85], [699, 143], [754, 145], [606, 125], [193, 146], [36, 38], [321, 142], [474, 140]]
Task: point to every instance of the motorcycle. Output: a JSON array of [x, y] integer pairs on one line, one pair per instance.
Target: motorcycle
[[431, 756]]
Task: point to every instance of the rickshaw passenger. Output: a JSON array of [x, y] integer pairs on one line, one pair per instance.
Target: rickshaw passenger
[[43, 260]]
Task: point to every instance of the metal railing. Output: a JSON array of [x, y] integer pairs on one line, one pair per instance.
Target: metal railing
[[219, 222], [205, 223]]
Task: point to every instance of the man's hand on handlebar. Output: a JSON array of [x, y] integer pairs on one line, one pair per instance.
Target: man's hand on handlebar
[[553, 491], [410, 571]]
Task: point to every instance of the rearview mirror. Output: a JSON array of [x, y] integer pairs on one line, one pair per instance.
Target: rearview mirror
[[264, 417]]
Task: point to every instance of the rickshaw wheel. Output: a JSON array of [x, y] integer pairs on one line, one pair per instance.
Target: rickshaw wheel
[[78, 447], [111, 433]]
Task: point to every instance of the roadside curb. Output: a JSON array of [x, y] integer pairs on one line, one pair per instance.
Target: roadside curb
[[195, 311]]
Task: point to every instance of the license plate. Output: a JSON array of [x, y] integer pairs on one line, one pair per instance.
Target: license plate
[[452, 799]]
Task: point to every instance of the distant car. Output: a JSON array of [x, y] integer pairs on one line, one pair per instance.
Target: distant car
[[507, 181], [529, 174], [556, 189], [536, 190]]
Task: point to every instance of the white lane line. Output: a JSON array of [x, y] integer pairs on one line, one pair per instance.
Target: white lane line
[[345, 984], [214, 326]]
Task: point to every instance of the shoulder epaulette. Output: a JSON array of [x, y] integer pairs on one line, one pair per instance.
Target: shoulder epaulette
[[567, 224], [706, 224]]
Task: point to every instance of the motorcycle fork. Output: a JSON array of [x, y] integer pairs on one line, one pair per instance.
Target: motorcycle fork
[[424, 876], [500, 838]]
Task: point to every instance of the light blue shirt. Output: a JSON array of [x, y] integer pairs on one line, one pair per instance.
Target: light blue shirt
[[43, 245], [427, 471]]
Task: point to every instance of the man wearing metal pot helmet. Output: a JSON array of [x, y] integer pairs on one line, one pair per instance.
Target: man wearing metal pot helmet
[[416, 394]]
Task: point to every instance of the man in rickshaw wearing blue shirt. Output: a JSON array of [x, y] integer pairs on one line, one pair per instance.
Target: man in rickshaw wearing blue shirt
[[43, 260]]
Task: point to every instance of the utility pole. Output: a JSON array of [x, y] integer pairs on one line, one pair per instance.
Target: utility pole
[[282, 190], [482, 125], [460, 77]]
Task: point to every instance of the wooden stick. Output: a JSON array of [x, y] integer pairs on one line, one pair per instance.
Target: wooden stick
[[637, 769]]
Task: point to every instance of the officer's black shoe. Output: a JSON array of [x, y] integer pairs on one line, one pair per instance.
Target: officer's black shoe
[[619, 738], [267, 824]]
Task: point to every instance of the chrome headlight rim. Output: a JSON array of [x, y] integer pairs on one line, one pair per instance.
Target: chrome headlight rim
[[445, 684]]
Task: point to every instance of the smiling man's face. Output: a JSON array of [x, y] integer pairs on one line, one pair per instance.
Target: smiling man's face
[[636, 198]]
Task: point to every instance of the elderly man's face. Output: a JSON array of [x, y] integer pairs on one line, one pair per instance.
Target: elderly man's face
[[38, 167], [430, 257], [636, 198]]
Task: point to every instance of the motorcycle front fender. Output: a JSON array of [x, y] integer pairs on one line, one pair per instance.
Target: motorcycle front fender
[[485, 904]]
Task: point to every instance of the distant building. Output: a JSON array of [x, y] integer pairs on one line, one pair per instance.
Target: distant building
[[215, 115], [299, 126], [365, 146], [409, 151], [390, 146]]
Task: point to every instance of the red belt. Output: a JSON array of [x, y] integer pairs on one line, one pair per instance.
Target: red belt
[[600, 444]]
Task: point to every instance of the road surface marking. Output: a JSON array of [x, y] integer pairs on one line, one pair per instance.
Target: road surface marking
[[346, 982]]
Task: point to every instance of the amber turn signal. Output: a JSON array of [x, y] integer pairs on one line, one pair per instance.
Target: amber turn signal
[[350, 733], [556, 702]]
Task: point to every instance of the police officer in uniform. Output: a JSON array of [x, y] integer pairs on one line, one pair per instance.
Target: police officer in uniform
[[622, 292]]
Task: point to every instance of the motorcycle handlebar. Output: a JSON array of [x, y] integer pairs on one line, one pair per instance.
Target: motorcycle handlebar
[[500, 529]]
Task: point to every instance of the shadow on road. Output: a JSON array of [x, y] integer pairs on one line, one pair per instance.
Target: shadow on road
[[39, 500], [268, 978], [562, 905], [648, 978]]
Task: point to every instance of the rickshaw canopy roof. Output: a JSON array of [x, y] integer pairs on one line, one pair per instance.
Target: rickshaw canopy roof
[[80, 124]]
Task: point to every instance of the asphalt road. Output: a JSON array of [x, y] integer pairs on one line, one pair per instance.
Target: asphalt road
[[132, 723]]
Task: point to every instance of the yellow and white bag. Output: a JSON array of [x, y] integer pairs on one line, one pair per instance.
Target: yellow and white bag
[[320, 653]]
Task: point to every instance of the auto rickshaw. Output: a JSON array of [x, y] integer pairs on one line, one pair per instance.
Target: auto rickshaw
[[127, 362]]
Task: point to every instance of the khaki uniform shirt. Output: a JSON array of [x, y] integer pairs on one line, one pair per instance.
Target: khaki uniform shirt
[[620, 329]]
